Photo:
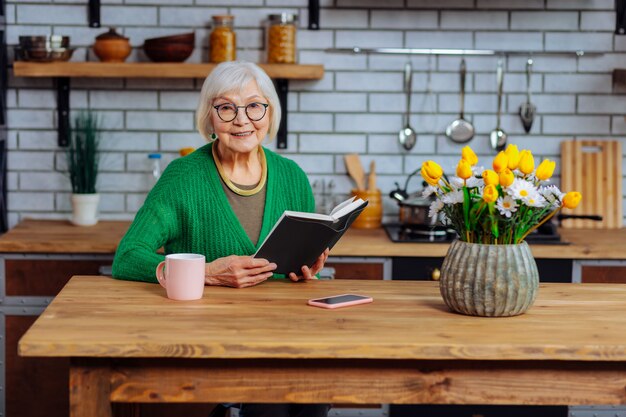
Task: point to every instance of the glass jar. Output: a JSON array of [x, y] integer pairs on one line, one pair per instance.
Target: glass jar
[[281, 38], [223, 41]]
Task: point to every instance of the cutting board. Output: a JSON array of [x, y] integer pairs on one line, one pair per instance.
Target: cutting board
[[595, 169]]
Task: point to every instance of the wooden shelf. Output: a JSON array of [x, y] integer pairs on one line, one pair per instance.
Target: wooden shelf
[[152, 70], [619, 76], [63, 71]]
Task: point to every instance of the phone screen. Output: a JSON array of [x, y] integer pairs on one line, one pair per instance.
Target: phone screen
[[340, 299]]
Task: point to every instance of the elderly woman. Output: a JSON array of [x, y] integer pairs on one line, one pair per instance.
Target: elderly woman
[[223, 199]]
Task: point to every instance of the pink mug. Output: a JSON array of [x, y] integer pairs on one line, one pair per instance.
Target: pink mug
[[183, 278]]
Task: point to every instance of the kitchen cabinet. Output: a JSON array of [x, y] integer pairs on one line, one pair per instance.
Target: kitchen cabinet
[[23, 299], [599, 271]]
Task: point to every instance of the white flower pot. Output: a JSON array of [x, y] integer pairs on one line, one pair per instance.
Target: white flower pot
[[85, 209]]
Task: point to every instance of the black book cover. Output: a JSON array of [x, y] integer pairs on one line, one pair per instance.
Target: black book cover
[[297, 241]]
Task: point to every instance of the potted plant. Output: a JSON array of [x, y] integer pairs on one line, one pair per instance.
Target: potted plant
[[490, 270], [83, 157]]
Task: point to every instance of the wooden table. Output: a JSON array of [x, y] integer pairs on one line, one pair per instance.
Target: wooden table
[[128, 343]]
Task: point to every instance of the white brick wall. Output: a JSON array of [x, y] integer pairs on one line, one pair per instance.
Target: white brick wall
[[356, 107]]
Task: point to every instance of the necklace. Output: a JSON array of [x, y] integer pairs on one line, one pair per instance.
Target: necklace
[[230, 184]]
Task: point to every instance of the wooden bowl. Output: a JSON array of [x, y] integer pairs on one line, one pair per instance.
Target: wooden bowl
[[170, 52], [182, 38]]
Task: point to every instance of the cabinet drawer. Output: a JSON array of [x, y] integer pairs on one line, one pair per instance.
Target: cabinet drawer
[[357, 270], [603, 274], [43, 277]]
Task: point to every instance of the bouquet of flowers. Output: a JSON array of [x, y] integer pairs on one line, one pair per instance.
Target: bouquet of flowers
[[500, 205]]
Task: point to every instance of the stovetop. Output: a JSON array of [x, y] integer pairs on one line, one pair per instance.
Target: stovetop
[[440, 234]]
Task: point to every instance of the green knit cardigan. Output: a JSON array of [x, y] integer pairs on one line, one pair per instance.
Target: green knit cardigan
[[187, 211]]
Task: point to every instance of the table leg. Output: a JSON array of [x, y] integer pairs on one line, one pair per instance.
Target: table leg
[[90, 388]]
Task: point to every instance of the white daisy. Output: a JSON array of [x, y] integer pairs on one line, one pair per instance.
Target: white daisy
[[428, 191], [478, 171], [435, 208], [473, 182], [521, 189], [535, 199], [552, 194], [453, 197], [444, 219], [506, 205], [456, 183]]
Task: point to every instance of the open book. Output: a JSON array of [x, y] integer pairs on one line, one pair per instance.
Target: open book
[[299, 238]]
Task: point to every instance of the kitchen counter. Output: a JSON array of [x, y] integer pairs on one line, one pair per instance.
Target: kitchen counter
[[55, 236]]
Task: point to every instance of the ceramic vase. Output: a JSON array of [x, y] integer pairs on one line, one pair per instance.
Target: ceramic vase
[[85, 209], [489, 280]]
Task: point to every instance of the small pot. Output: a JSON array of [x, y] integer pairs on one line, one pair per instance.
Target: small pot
[[414, 212], [111, 47]]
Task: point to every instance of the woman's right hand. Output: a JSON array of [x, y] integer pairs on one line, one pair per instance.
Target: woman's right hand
[[238, 271]]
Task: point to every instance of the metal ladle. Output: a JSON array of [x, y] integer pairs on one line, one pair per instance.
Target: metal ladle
[[461, 130], [497, 137], [407, 135], [527, 110]]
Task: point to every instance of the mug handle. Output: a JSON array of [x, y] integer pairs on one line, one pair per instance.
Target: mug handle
[[160, 275]]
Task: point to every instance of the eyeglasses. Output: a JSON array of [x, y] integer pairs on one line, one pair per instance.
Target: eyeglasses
[[228, 111]]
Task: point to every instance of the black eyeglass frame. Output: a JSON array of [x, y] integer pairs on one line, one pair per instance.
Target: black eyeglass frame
[[265, 106]]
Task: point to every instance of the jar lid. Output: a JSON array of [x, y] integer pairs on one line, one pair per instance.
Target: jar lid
[[283, 18], [223, 17], [111, 34]]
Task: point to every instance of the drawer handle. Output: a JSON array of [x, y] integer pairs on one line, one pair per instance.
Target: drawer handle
[[435, 274]]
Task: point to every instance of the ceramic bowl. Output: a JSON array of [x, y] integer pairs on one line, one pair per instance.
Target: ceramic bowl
[[188, 38], [112, 50], [169, 52]]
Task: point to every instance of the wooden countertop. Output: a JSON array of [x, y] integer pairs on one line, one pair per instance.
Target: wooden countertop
[[54, 236], [102, 317]]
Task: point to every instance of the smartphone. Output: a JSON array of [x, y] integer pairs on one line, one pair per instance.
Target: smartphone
[[342, 300]]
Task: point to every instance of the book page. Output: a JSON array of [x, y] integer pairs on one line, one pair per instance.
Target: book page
[[348, 208], [341, 205]]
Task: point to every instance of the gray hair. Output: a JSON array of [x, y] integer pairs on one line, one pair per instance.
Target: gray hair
[[233, 76]]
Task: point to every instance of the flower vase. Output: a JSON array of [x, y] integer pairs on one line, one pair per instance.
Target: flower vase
[[489, 280], [85, 209]]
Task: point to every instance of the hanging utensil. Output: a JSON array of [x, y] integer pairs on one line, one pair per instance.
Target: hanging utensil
[[407, 135], [461, 130], [497, 137], [527, 110]]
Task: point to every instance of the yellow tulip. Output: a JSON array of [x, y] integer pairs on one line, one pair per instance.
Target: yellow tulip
[[545, 169], [431, 172], [572, 199], [490, 177], [500, 162], [433, 169], [526, 162], [513, 153], [490, 193], [463, 169], [506, 178], [468, 154]]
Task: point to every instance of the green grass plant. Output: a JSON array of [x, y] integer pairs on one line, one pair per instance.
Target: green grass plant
[[83, 154]]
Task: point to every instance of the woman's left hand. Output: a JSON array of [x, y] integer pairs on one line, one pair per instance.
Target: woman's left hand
[[309, 273]]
